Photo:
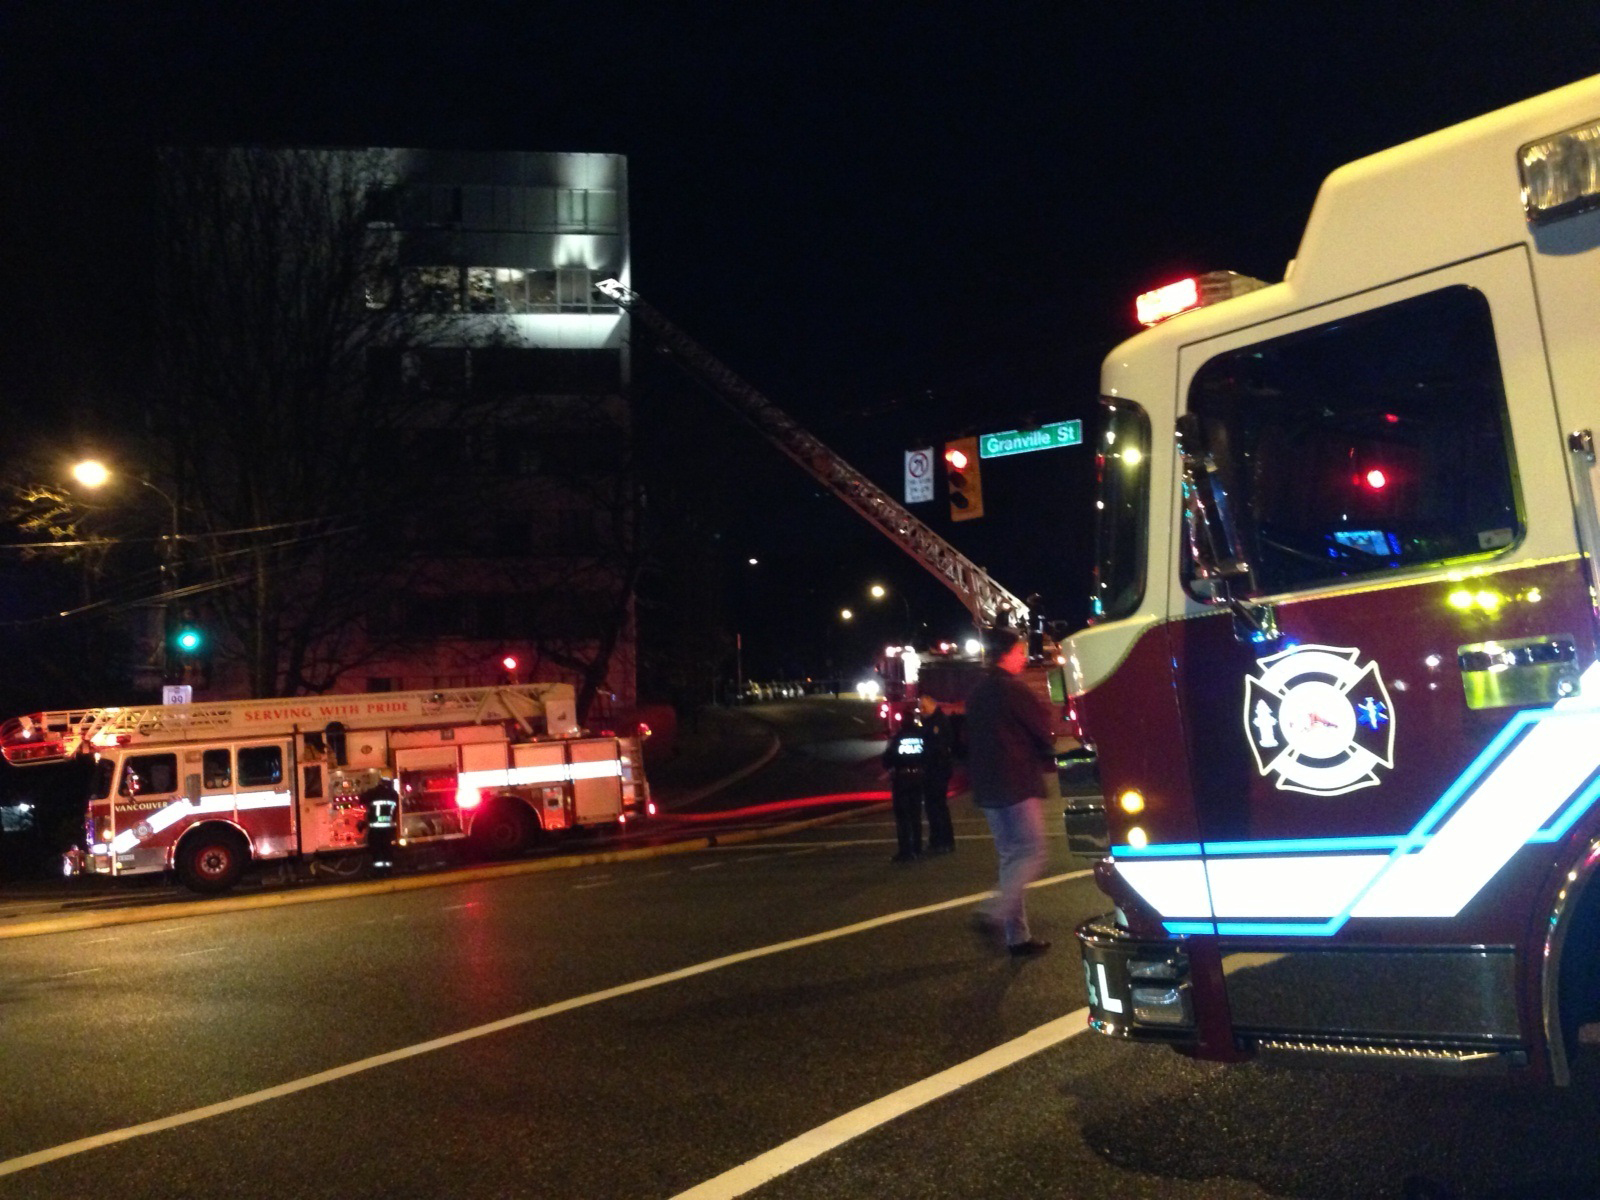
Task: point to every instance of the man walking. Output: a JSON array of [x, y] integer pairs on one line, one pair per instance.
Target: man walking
[[1010, 745]]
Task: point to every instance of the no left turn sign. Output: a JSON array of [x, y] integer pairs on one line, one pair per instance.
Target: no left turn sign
[[919, 476]]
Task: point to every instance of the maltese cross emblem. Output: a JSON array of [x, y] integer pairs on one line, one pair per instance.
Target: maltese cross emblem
[[1318, 720]]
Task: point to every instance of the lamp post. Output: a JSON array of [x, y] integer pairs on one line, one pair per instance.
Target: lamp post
[[93, 474], [879, 592]]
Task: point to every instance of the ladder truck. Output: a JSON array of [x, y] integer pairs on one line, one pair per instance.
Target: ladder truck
[[205, 790], [989, 603]]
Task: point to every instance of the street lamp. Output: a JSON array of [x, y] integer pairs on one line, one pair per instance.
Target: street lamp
[[92, 474], [878, 592]]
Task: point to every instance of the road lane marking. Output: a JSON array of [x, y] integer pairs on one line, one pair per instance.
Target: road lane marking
[[70, 974], [830, 1135], [705, 866], [38, 1158]]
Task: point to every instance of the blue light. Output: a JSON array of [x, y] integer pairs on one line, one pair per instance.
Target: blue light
[[1168, 850]]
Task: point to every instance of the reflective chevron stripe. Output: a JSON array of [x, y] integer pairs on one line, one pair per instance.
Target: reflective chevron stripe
[[1533, 781], [165, 818]]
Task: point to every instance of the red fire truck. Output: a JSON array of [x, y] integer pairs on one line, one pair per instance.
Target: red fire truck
[[1342, 680], [206, 789]]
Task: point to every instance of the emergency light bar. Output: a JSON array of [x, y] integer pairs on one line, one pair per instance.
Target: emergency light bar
[[1196, 292], [1560, 174]]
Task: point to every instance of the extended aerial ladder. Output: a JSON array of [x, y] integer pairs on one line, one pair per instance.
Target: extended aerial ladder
[[989, 603]]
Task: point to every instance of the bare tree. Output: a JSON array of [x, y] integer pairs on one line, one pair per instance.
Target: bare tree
[[264, 326]]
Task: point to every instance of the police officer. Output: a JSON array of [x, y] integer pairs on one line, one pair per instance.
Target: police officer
[[936, 757], [919, 755], [383, 813], [905, 758]]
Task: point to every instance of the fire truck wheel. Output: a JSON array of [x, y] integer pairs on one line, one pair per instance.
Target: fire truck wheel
[[505, 828], [211, 860]]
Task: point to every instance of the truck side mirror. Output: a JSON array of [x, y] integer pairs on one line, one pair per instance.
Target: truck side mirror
[[1216, 555]]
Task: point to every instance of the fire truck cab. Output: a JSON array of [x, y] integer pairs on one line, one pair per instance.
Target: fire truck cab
[[206, 789], [1343, 680]]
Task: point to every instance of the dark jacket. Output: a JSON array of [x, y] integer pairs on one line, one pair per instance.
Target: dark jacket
[[922, 743], [1010, 741]]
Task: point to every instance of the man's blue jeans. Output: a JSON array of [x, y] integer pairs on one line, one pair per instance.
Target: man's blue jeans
[[1018, 831]]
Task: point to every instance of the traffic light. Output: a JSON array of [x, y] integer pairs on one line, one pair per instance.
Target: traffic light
[[188, 657], [188, 639], [961, 478]]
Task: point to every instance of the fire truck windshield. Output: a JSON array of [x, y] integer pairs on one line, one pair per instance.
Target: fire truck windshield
[[1122, 502]]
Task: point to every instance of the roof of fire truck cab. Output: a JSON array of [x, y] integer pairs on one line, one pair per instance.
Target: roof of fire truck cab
[[1439, 199], [1426, 204]]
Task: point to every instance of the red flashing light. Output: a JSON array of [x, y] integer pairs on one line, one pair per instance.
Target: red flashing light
[[1376, 479], [468, 797], [650, 808], [644, 730], [1154, 307]]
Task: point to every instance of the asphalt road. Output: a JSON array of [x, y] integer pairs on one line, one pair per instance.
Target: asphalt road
[[791, 1017]]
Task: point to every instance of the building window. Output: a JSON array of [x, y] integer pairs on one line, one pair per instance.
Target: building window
[[431, 289], [481, 290]]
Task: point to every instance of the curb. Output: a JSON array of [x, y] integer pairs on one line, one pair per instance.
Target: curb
[[199, 908], [771, 752]]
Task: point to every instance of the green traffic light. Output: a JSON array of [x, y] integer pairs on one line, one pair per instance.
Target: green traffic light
[[189, 640]]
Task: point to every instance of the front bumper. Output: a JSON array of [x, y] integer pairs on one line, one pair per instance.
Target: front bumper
[[1140, 990]]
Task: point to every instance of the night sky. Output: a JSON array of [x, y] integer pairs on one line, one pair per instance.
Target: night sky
[[901, 222]]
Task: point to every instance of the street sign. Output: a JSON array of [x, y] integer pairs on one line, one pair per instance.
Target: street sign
[[177, 693], [1046, 437], [919, 476]]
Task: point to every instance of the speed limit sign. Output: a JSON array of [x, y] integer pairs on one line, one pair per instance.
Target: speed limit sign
[[919, 476]]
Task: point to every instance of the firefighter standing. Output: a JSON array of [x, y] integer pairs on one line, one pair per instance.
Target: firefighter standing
[[383, 813]]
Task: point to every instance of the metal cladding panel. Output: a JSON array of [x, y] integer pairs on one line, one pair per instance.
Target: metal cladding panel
[[426, 758], [538, 754], [489, 756], [1459, 995]]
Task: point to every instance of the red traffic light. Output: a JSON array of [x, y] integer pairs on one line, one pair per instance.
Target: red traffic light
[[956, 459], [509, 662]]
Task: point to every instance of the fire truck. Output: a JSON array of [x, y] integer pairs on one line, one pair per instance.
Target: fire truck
[[1343, 676], [205, 790]]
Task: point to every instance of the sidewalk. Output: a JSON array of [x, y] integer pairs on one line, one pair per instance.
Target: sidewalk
[[712, 744]]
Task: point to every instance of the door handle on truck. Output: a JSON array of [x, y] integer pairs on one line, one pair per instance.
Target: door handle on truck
[[1519, 671]]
